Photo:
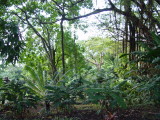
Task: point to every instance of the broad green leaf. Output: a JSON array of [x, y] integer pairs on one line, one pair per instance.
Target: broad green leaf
[[119, 100]]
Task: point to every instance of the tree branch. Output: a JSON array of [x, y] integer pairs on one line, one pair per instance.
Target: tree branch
[[89, 14], [136, 21]]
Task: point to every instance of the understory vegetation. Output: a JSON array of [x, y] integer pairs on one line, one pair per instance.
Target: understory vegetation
[[48, 72]]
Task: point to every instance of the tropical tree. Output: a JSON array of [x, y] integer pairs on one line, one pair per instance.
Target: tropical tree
[[131, 21], [140, 20], [10, 41], [99, 50]]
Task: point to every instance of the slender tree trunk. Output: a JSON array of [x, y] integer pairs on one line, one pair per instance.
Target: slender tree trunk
[[132, 39], [127, 10], [62, 43], [75, 55], [126, 36], [54, 61]]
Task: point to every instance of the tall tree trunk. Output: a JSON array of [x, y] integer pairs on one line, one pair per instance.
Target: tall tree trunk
[[62, 45], [75, 54], [132, 39], [127, 10], [126, 36], [53, 62]]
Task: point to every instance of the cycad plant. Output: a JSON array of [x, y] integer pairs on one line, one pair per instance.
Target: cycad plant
[[37, 80]]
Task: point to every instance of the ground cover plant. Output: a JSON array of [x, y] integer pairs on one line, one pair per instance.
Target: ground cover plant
[[51, 70]]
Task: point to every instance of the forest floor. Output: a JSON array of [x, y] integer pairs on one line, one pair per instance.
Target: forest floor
[[85, 112]]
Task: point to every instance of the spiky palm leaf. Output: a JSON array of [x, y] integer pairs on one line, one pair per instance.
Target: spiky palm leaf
[[37, 80]]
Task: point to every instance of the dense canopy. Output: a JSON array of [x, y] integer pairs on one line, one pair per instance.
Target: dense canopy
[[43, 58]]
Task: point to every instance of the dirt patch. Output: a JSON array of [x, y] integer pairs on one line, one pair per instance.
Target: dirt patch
[[141, 113]]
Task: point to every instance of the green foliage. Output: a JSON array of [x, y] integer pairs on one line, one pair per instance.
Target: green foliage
[[111, 83], [64, 95], [152, 87], [148, 58], [33, 54], [10, 71], [10, 43], [1, 82], [60, 96], [124, 68], [109, 96], [98, 51], [18, 96], [151, 51], [147, 86], [36, 80], [74, 58]]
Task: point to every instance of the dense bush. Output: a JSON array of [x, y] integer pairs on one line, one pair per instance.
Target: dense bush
[[64, 95], [146, 85], [17, 95], [106, 95]]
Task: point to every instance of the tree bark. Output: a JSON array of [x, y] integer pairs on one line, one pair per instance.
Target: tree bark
[[62, 45]]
